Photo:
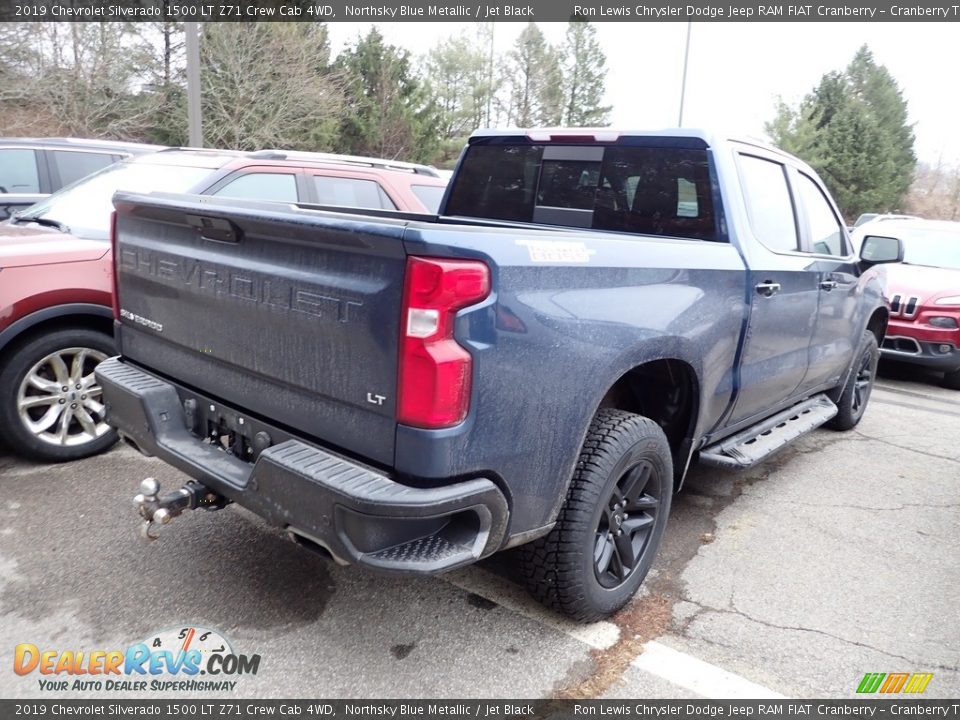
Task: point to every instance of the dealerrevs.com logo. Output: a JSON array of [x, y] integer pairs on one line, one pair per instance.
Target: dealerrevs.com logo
[[181, 659]]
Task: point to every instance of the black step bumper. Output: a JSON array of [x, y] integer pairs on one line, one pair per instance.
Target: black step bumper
[[357, 513]]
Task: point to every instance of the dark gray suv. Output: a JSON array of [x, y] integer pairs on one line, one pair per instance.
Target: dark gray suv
[[32, 168]]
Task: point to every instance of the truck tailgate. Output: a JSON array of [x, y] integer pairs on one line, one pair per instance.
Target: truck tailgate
[[292, 317]]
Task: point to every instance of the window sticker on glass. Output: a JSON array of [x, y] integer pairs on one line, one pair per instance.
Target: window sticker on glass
[[687, 205]]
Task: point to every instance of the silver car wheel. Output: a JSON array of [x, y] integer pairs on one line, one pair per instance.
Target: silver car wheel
[[58, 400]]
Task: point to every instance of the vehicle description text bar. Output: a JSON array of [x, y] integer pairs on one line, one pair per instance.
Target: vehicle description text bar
[[467, 11], [470, 709]]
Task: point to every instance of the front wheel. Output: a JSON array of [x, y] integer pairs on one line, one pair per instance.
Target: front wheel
[[856, 393], [51, 406], [610, 526]]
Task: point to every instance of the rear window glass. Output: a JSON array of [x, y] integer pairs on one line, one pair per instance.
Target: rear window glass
[[644, 190], [568, 184], [73, 165]]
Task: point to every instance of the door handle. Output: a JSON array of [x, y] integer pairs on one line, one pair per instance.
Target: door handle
[[828, 285], [767, 288]]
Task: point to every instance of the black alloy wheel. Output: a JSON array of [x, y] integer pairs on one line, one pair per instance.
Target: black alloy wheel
[[626, 525]]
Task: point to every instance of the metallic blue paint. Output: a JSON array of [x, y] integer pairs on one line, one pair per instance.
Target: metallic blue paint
[[549, 342]]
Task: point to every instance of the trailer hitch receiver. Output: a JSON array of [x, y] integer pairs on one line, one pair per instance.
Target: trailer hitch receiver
[[157, 509]]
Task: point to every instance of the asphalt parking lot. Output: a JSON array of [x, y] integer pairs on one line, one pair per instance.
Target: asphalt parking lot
[[838, 557]]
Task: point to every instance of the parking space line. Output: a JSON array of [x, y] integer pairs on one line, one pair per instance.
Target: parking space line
[[700, 677], [915, 406], [600, 635], [883, 387], [674, 666]]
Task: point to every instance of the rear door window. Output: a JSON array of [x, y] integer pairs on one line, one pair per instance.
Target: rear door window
[[279, 187], [18, 171], [75, 165], [644, 190], [768, 203], [351, 192]]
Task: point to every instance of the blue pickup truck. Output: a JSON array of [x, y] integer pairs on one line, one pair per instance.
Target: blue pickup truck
[[536, 366]]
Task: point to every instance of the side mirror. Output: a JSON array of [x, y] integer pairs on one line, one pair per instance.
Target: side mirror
[[877, 249]]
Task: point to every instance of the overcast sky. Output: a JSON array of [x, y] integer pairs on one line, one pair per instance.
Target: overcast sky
[[738, 69]]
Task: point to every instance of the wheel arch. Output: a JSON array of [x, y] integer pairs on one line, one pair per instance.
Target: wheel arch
[[84, 315], [877, 324], [667, 391]]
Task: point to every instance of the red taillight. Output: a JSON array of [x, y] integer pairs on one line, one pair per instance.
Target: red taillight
[[433, 384], [114, 259]]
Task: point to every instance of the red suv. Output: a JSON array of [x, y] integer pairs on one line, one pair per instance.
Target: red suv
[[55, 273], [924, 293]]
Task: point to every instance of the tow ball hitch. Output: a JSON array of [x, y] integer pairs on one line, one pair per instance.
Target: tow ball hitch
[[156, 509]]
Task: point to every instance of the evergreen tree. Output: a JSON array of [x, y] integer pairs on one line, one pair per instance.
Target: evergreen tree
[[166, 85], [584, 70], [268, 85], [458, 74], [389, 111], [534, 81], [491, 84], [878, 90], [852, 128]]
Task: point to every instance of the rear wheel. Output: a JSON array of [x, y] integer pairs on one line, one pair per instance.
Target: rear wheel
[[51, 406], [611, 524], [856, 393]]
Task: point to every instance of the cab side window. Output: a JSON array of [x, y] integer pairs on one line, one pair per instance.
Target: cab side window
[[826, 232]]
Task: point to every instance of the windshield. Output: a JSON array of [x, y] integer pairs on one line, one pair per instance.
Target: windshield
[[936, 248], [85, 206]]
